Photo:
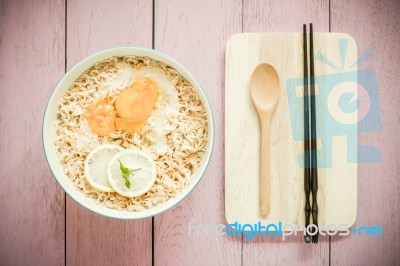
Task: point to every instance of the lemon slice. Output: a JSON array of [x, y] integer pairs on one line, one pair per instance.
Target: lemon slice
[[142, 176], [96, 166]]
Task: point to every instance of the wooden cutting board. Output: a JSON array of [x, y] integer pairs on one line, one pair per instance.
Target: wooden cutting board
[[335, 73]]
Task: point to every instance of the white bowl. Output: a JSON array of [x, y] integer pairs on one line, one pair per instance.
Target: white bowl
[[50, 118]]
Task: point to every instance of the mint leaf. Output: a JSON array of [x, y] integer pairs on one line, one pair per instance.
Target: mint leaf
[[126, 172]]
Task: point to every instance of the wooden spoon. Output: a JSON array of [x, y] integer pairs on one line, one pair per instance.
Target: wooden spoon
[[264, 89]]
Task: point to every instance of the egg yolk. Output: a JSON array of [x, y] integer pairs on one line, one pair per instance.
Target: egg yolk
[[101, 117], [135, 104]]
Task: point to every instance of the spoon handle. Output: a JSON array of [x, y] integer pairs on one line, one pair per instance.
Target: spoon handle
[[265, 181]]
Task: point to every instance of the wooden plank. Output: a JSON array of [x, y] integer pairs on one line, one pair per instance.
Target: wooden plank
[[285, 16], [31, 202], [195, 33], [91, 26], [374, 25]]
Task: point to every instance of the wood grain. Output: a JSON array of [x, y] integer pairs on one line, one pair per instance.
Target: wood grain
[[374, 25], [31, 202], [195, 33], [93, 239], [284, 16]]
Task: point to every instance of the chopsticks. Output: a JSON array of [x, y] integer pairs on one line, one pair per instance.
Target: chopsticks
[[307, 208], [310, 139]]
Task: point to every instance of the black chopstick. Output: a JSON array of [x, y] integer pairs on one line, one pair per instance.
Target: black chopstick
[[307, 208], [310, 138], [314, 167]]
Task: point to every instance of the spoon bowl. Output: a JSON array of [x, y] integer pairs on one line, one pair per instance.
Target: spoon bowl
[[264, 87], [264, 90]]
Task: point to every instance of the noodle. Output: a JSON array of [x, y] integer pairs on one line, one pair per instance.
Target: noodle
[[177, 152]]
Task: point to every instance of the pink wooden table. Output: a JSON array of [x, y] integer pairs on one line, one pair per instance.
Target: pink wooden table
[[39, 40]]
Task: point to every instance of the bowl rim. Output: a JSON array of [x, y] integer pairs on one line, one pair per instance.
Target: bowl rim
[[55, 166]]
